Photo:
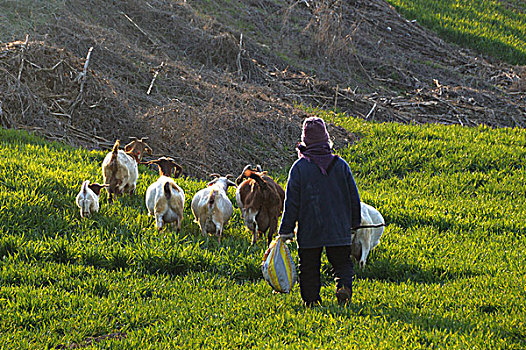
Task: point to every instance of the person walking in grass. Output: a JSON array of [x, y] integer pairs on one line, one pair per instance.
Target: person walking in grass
[[322, 198]]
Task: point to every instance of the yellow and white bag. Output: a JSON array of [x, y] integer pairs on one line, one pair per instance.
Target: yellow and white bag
[[278, 267]]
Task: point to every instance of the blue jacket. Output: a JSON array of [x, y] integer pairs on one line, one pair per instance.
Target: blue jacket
[[325, 207]]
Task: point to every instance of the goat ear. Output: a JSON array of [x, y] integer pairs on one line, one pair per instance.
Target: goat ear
[[128, 147], [247, 172], [178, 170], [96, 187]]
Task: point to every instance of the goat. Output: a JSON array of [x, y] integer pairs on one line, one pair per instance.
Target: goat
[[88, 198], [119, 168], [260, 199], [239, 180], [211, 207], [164, 199], [366, 238]]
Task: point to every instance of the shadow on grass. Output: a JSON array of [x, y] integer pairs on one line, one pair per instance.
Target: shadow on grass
[[176, 254], [441, 223], [427, 322], [396, 271], [430, 322]]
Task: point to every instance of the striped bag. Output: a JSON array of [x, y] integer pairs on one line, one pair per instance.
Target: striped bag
[[278, 267]]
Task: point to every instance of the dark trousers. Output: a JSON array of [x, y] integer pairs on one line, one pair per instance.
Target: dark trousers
[[310, 264]]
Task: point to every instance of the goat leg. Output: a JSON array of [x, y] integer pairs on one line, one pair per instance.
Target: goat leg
[[159, 221], [178, 225], [366, 247], [255, 233], [203, 228], [273, 227]]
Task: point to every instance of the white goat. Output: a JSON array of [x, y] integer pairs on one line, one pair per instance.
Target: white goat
[[164, 199], [211, 207], [119, 168], [88, 198], [365, 239]]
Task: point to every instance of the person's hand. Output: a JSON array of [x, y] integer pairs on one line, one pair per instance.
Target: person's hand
[[286, 236]]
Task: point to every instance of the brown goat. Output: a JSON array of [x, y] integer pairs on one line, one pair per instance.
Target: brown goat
[[260, 199], [138, 148]]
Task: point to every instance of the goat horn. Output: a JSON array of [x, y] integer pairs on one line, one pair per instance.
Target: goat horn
[[242, 176], [214, 175], [248, 166]]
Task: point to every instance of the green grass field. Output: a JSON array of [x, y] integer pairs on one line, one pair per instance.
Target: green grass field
[[448, 273], [493, 27]]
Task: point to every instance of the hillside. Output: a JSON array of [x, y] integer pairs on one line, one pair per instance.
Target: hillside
[[448, 272], [217, 85]]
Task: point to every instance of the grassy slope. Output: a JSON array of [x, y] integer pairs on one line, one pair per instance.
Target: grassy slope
[[448, 272], [497, 28], [19, 17]]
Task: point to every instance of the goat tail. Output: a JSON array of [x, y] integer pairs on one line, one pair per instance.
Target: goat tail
[[168, 190], [212, 199], [115, 149], [85, 187], [114, 152]]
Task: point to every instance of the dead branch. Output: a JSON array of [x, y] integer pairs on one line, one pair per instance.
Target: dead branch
[[371, 111], [22, 59], [155, 42], [154, 77], [238, 60], [82, 78]]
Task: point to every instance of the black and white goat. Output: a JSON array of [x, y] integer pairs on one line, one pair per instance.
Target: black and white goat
[[88, 198]]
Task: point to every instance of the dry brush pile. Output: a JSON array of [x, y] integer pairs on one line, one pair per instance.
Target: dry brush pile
[[217, 95]]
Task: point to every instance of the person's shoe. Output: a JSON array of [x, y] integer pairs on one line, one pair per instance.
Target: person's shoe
[[343, 295], [312, 303]]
